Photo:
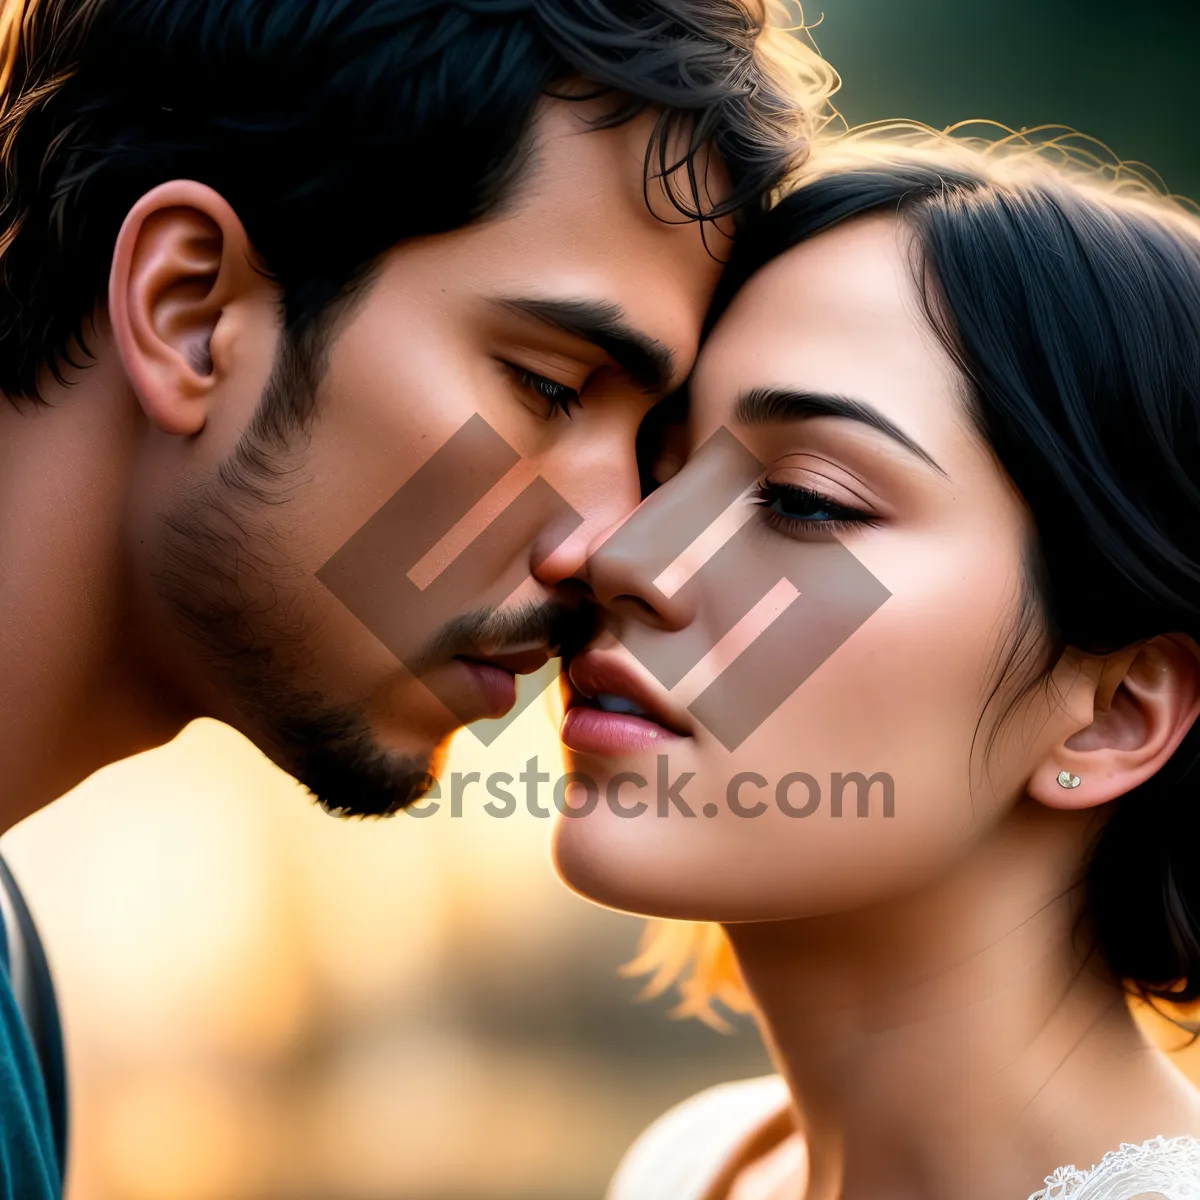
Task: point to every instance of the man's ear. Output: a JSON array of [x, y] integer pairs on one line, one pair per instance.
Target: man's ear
[[181, 259], [1143, 700]]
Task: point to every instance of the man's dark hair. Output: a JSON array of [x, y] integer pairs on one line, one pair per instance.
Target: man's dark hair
[[338, 128]]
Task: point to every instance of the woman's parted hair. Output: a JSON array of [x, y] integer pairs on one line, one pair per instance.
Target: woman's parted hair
[[338, 128], [1066, 287]]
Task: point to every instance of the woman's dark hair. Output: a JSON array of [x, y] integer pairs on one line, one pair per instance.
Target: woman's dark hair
[[1071, 305], [338, 128]]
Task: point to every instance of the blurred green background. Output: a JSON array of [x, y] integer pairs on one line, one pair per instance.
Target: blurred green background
[[1121, 72]]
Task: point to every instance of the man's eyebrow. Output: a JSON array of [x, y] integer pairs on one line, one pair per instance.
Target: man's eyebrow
[[649, 363], [764, 406]]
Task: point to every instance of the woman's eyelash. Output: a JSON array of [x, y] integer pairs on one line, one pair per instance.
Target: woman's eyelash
[[560, 397], [797, 510]]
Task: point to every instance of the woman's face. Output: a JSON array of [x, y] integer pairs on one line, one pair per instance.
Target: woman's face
[[882, 658]]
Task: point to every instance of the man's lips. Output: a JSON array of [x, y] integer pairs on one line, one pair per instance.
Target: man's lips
[[596, 673], [515, 662], [494, 675]]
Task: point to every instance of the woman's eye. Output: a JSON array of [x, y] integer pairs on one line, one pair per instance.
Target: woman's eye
[[800, 510], [558, 396]]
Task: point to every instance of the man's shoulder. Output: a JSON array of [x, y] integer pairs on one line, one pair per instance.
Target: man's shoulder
[[33, 1099]]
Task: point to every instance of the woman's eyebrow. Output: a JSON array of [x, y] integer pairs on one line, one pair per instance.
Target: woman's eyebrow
[[767, 406]]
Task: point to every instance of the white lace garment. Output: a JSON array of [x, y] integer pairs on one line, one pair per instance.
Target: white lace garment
[[680, 1154], [1167, 1167]]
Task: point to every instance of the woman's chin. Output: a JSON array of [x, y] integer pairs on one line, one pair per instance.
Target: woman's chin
[[601, 866], [615, 864]]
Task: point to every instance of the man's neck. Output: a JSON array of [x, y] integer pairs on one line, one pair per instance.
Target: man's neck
[[73, 694], [951, 1042]]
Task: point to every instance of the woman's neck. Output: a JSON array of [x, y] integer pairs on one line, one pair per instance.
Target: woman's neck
[[955, 1040]]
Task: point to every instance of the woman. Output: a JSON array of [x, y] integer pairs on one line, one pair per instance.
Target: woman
[[914, 717]]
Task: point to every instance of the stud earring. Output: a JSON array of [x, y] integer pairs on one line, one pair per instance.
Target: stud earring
[[1067, 780]]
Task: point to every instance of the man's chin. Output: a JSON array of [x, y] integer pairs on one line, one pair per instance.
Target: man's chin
[[364, 798], [348, 768], [381, 787]]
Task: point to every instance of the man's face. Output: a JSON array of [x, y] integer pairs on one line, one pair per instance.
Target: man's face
[[556, 324]]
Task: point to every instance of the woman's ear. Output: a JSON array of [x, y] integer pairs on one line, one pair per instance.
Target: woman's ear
[[181, 259], [1143, 700]]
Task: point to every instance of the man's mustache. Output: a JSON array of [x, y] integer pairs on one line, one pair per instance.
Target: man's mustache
[[565, 628]]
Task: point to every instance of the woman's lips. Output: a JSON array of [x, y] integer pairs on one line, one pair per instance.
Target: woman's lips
[[590, 729]]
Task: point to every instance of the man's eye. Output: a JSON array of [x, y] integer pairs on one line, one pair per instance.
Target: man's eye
[[558, 396]]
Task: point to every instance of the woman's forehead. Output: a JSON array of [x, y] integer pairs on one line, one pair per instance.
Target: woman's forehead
[[839, 313]]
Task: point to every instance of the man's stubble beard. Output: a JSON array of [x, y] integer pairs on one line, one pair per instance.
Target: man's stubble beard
[[233, 593], [236, 595]]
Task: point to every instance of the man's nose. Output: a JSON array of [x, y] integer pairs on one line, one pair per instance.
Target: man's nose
[[559, 553], [592, 469]]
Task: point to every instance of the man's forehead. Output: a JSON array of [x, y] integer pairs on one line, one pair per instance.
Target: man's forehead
[[567, 149], [577, 234]]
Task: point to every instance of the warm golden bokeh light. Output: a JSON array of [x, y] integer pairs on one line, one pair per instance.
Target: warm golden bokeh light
[[263, 1001]]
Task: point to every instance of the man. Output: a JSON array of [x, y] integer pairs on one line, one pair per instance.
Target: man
[[260, 262]]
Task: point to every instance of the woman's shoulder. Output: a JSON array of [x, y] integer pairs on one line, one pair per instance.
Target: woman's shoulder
[[684, 1150], [1167, 1168]]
